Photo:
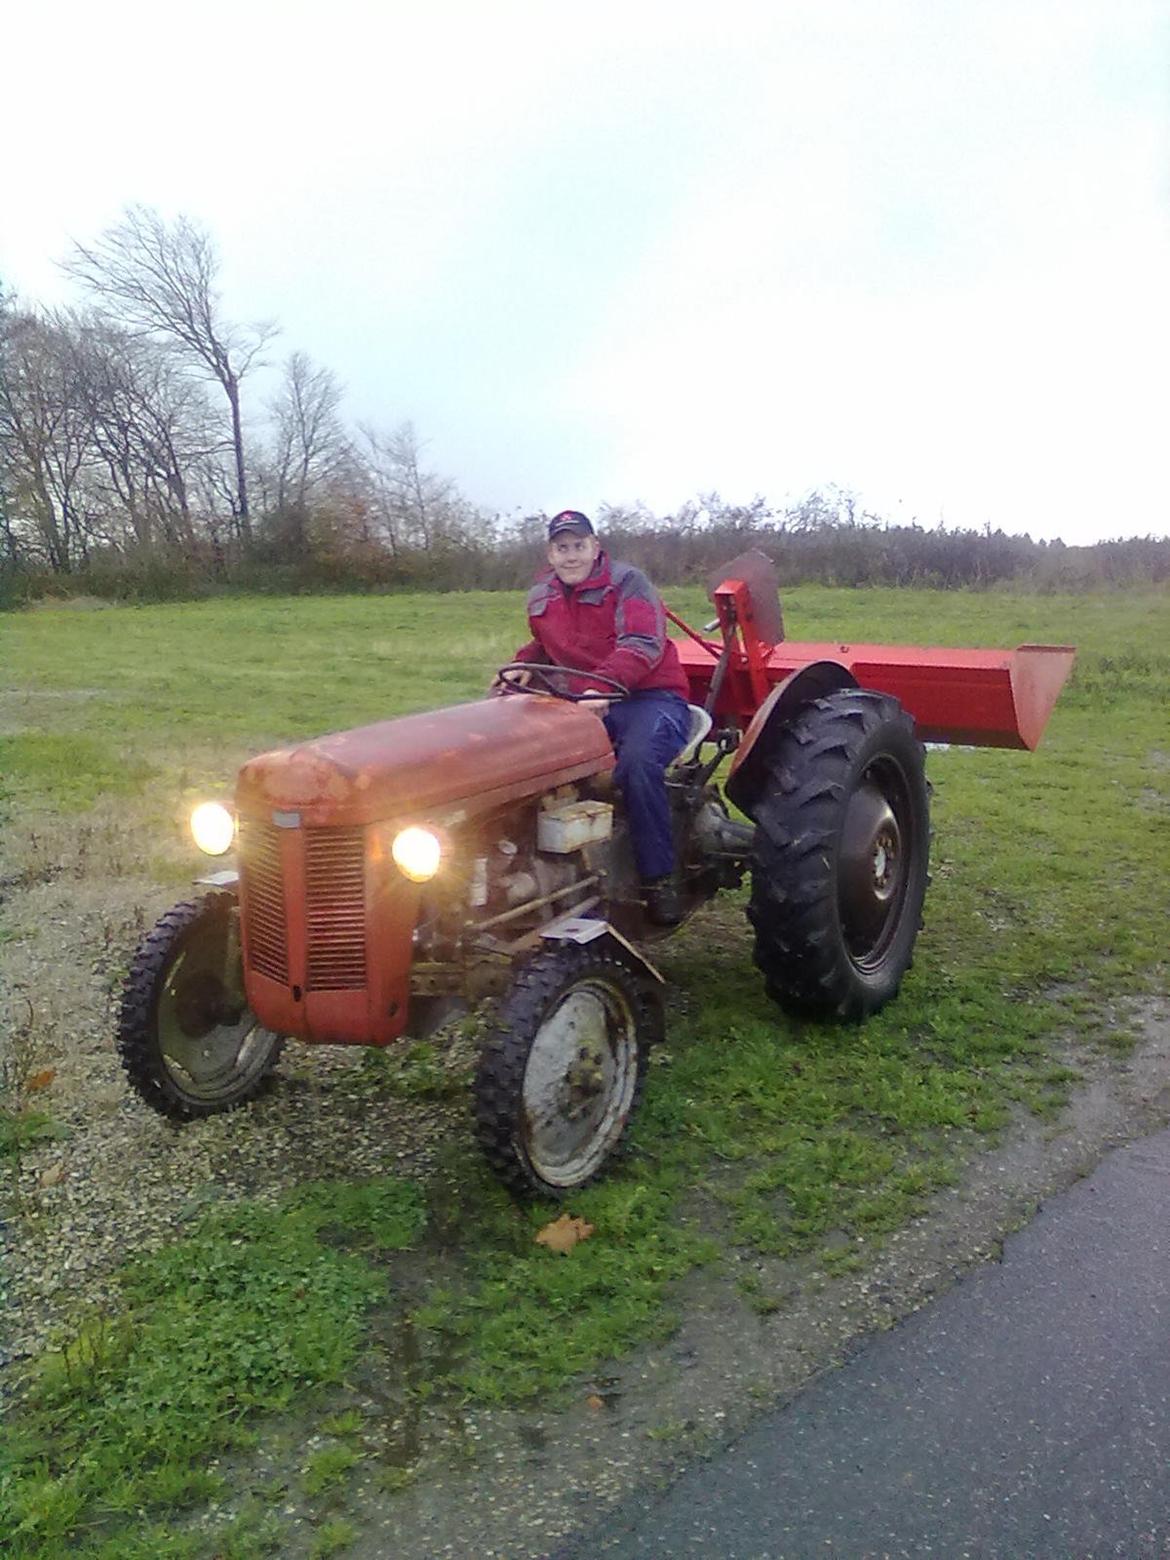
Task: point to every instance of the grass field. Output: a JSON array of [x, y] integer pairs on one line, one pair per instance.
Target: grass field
[[1045, 924]]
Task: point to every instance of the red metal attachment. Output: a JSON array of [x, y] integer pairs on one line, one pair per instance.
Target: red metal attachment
[[986, 698]]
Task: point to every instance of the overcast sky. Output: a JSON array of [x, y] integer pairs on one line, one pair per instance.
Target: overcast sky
[[603, 252]]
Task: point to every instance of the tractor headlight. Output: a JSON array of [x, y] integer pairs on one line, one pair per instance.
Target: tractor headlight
[[213, 828], [417, 853]]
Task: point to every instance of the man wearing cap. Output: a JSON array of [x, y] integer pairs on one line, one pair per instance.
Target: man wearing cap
[[605, 618]]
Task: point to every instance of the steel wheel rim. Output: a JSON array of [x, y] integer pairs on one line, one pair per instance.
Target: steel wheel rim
[[579, 1082], [208, 1053], [873, 873]]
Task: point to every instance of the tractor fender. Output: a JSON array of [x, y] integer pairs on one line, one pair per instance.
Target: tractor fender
[[749, 767], [587, 929]]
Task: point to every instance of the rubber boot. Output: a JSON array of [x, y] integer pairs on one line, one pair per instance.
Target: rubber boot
[[663, 905]]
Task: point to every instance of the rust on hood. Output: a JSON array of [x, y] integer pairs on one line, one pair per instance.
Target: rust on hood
[[477, 755]]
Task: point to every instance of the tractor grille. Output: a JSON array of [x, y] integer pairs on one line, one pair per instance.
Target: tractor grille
[[264, 898], [335, 909]]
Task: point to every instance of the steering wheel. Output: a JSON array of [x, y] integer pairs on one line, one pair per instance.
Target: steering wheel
[[546, 671]]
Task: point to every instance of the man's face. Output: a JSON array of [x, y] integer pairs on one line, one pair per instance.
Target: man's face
[[572, 556]]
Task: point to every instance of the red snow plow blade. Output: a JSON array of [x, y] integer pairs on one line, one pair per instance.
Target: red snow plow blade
[[987, 698]]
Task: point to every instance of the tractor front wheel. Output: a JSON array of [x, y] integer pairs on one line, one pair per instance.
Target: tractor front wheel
[[841, 853], [561, 1072], [187, 1039]]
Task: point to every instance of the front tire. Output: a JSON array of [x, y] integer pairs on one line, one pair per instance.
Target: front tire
[[561, 1073], [188, 1042], [840, 864]]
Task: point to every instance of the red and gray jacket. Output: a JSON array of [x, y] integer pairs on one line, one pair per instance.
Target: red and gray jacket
[[611, 623]]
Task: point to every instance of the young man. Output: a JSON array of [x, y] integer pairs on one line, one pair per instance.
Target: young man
[[606, 619]]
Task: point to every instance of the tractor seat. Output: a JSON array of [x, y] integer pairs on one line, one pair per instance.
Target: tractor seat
[[699, 727]]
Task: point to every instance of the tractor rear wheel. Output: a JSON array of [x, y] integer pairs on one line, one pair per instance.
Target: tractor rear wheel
[[561, 1072], [187, 1039], [839, 871]]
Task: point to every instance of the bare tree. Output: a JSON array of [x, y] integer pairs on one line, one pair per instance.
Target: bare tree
[[417, 509], [44, 442], [11, 544], [160, 278], [626, 519], [383, 490], [150, 428], [311, 446]]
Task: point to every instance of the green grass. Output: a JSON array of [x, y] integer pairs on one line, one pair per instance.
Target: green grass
[[412, 1071], [108, 696], [326, 1470], [21, 1129], [524, 1320], [73, 768], [1046, 914], [332, 1538], [246, 1314]]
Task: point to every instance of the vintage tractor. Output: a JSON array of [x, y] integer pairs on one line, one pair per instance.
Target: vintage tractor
[[390, 873]]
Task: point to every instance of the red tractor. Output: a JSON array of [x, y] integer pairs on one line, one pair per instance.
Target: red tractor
[[390, 874]]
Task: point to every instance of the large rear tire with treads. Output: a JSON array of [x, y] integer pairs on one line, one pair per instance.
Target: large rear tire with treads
[[840, 862]]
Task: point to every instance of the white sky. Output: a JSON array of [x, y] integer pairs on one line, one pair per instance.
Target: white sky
[[618, 251]]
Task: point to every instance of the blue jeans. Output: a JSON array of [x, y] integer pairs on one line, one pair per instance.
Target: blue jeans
[[648, 730]]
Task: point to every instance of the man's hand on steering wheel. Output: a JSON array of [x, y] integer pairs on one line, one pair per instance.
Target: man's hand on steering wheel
[[538, 677], [514, 682]]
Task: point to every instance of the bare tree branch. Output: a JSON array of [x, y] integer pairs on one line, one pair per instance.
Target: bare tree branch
[[416, 508], [160, 279]]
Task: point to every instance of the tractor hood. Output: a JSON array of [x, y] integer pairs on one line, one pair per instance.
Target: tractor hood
[[470, 756]]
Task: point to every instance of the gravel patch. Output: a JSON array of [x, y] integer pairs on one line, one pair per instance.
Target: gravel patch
[[122, 1179]]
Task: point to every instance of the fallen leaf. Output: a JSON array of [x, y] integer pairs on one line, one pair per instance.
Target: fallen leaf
[[594, 1402], [563, 1233], [52, 1175], [40, 1080]]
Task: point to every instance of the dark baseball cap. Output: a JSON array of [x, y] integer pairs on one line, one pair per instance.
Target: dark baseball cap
[[570, 520]]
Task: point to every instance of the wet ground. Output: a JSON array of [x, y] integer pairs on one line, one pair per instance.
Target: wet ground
[[1026, 1412], [529, 1483], [441, 1480]]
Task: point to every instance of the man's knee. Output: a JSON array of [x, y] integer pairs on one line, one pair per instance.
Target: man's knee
[[638, 767], [647, 738], [640, 773]]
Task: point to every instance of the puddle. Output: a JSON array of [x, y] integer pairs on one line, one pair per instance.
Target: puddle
[[403, 1389]]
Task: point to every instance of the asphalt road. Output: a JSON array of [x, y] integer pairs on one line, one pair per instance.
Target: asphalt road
[[1024, 1414]]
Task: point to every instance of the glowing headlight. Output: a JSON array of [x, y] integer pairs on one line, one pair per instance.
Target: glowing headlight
[[417, 853], [213, 828]]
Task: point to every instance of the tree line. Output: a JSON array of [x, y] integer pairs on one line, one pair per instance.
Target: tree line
[[131, 467], [124, 443]]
